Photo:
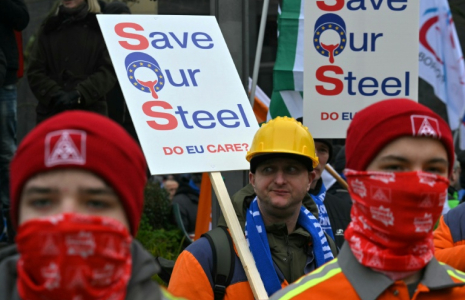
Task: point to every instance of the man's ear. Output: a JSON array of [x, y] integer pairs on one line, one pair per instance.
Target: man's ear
[[252, 179], [311, 177]]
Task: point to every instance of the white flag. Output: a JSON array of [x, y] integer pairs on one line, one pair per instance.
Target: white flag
[[440, 58]]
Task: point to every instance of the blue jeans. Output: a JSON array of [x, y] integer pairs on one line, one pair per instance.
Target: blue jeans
[[7, 141]]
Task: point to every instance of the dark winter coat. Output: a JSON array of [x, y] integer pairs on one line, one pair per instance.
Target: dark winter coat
[[188, 200], [13, 16], [338, 207], [70, 53]]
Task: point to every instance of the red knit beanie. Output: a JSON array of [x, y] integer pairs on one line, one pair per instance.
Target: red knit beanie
[[377, 125], [88, 141]]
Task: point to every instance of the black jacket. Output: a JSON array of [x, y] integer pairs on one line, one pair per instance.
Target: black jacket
[[70, 53], [338, 205], [13, 16]]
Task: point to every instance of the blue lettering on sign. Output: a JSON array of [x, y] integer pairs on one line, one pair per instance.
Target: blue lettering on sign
[[364, 46], [346, 116], [190, 149], [206, 120], [184, 80], [161, 40], [194, 149], [369, 86], [394, 5]]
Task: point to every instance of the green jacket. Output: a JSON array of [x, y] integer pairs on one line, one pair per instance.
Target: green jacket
[[288, 251]]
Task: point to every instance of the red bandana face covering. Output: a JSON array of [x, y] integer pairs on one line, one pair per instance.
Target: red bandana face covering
[[393, 215], [76, 257]]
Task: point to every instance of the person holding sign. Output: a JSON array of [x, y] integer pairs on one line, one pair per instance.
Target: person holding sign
[[77, 187], [70, 67], [278, 217], [399, 155]]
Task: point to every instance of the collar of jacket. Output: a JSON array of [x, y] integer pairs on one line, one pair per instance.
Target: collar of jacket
[[370, 284], [242, 199], [55, 22]]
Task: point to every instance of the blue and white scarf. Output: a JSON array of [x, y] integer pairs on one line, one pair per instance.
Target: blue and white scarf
[[322, 212], [255, 234]]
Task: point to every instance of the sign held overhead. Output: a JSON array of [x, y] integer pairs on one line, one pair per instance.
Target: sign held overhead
[[187, 102]]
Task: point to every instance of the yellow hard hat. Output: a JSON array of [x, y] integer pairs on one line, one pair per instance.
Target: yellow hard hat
[[284, 135]]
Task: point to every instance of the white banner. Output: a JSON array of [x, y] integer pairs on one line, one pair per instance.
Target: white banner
[[441, 59], [186, 100], [357, 53]]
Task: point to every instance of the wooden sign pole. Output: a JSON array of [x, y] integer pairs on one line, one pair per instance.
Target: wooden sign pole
[[336, 176], [238, 237]]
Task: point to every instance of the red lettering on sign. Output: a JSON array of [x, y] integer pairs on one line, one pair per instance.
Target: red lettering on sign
[[143, 42], [338, 84]]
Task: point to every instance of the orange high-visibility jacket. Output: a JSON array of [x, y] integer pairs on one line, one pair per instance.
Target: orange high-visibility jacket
[[449, 238], [345, 278], [192, 276]]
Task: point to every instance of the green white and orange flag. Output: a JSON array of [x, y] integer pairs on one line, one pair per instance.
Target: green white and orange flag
[[287, 98], [261, 103]]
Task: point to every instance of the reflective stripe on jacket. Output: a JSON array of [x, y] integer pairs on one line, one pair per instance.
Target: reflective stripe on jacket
[[345, 278]]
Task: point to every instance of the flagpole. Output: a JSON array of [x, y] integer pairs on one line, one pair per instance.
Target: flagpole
[[336, 176], [258, 53], [457, 134]]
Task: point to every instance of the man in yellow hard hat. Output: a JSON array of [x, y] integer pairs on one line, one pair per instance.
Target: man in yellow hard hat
[[279, 219]]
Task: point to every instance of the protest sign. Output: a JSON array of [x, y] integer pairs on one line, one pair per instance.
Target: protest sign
[[357, 53], [185, 97]]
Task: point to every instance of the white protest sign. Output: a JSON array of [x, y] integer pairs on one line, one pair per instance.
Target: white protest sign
[[186, 100], [357, 52]]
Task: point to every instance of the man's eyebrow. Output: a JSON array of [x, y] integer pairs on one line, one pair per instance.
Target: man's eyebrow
[[97, 191], [439, 160], [39, 190], [403, 159], [393, 157]]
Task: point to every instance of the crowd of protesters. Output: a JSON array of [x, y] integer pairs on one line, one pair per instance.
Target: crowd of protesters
[[72, 192]]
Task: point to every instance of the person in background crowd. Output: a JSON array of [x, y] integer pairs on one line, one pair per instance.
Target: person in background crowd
[[14, 16], [77, 188], [449, 236], [101, 3], [69, 67], [333, 212], [171, 187], [461, 191], [279, 218], [116, 8], [338, 201], [454, 185], [399, 155], [187, 197]]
